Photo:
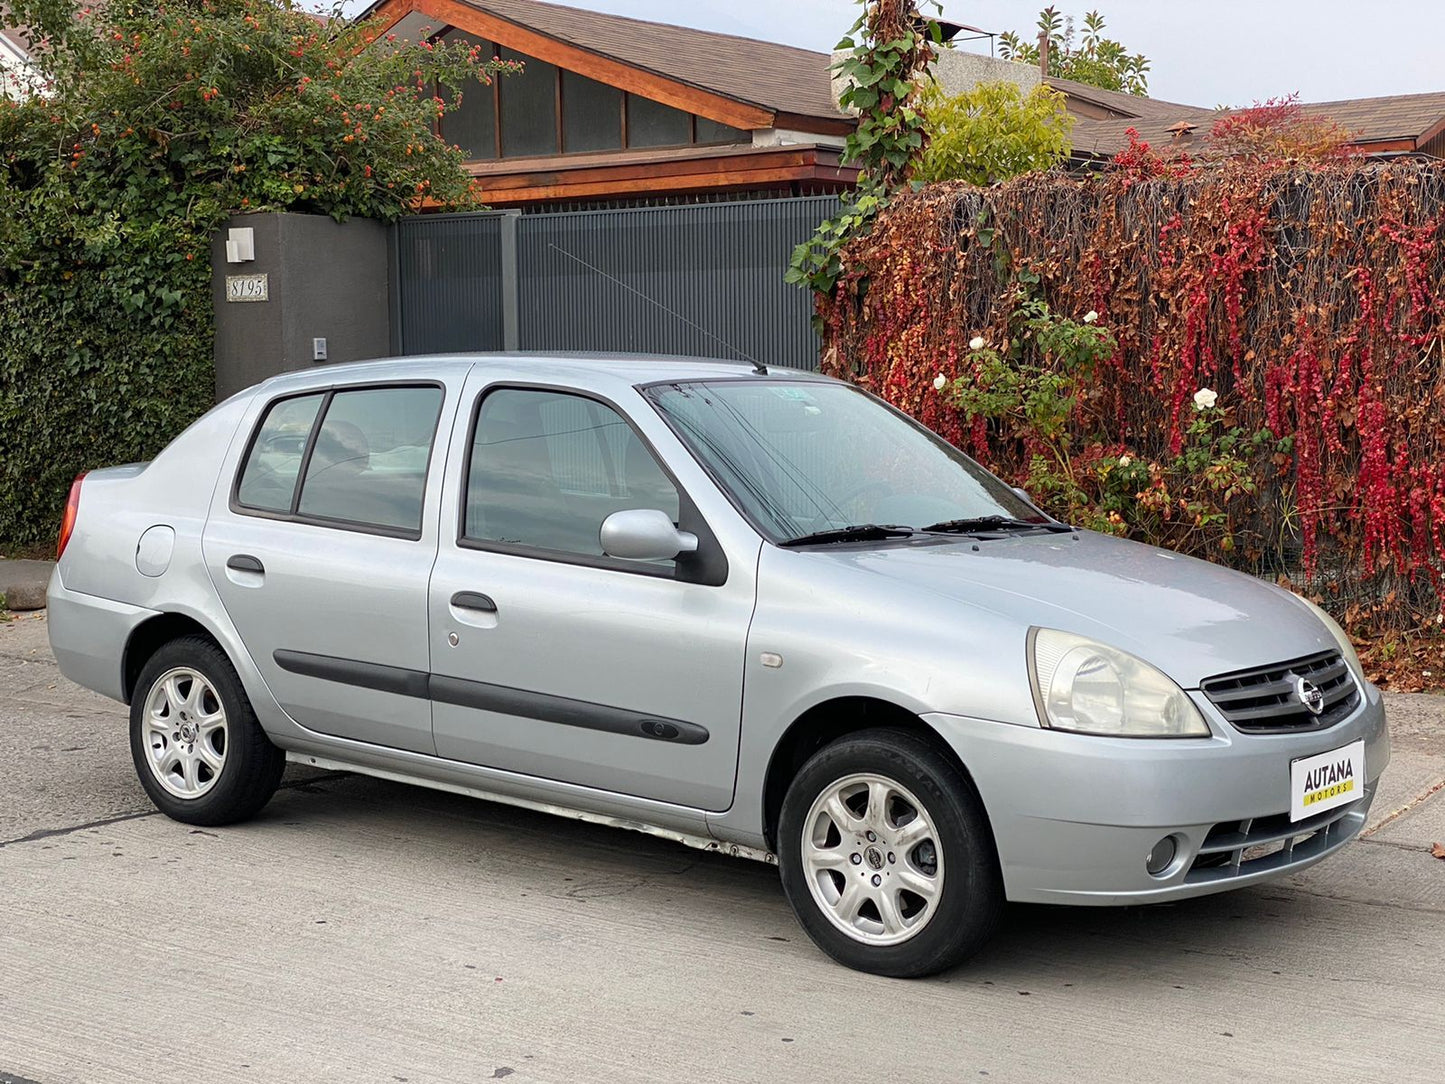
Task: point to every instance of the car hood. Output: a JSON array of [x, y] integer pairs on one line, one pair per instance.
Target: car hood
[[1190, 618]]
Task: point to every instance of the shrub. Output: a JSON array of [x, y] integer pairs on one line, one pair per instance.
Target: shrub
[[1280, 129], [993, 131], [158, 120]]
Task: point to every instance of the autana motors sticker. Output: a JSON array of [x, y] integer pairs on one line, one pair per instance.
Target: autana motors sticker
[[1326, 780]]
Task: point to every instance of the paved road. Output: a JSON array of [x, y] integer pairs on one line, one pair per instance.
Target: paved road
[[364, 931]]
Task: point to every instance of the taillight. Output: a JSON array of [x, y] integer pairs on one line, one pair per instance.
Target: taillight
[[72, 510]]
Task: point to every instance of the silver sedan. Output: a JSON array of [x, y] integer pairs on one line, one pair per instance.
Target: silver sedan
[[756, 612]]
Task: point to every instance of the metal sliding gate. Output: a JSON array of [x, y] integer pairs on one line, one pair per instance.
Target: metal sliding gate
[[702, 279]]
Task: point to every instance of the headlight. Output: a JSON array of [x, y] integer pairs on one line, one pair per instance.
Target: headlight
[[1347, 649], [1092, 688]]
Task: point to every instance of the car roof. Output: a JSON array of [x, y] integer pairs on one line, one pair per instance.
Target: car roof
[[583, 369]]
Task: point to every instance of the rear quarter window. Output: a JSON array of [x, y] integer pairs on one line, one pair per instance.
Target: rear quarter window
[[268, 479]]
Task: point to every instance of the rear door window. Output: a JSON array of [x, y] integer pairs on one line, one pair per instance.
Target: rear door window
[[361, 456], [370, 457]]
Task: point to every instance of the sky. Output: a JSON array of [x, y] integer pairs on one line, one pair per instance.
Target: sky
[[1204, 52]]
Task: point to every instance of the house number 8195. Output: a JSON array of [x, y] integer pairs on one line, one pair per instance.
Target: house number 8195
[[248, 287]]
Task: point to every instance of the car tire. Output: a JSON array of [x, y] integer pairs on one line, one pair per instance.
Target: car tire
[[198, 749], [887, 856]]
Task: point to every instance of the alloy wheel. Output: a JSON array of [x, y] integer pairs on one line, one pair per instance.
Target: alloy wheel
[[185, 736], [872, 859]]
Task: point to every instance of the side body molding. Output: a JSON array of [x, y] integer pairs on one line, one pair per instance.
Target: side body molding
[[488, 697]]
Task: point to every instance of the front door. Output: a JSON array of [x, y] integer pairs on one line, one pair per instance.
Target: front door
[[321, 552], [550, 658]]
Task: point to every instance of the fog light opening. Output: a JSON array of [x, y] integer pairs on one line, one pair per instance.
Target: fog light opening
[[1161, 857]]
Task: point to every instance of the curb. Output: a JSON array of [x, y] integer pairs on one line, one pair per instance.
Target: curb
[[23, 584]]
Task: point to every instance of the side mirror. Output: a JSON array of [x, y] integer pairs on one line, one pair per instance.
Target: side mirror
[[644, 534], [1023, 494]]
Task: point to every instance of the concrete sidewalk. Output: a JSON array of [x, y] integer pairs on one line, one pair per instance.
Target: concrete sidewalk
[[22, 584]]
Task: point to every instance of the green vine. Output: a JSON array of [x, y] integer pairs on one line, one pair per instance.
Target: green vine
[[888, 47]]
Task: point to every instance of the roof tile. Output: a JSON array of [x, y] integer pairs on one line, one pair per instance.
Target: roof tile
[[1129, 105], [1369, 120]]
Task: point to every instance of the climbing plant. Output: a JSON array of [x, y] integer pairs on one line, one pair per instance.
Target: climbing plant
[[1240, 358], [887, 50]]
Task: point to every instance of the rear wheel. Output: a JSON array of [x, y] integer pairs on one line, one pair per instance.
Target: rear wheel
[[198, 749], [887, 856]]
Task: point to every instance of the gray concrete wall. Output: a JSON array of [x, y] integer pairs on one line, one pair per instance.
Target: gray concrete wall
[[958, 70], [325, 280]]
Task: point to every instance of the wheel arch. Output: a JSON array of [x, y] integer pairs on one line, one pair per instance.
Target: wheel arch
[[826, 722], [150, 636]]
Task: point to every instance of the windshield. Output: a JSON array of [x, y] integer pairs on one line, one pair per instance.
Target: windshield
[[800, 458]]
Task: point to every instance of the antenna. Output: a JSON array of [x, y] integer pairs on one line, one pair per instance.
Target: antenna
[[758, 366]]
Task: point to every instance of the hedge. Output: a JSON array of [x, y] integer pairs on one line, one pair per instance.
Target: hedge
[[1276, 396], [158, 120], [100, 362]]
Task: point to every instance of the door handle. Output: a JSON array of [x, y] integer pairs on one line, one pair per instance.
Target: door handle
[[474, 600], [244, 562]]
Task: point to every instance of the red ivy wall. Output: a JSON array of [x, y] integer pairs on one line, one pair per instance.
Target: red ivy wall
[[1311, 299]]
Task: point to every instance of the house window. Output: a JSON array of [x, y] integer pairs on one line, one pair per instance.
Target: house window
[[473, 124], [529, 108], [591, 115], [711, 131], [652, 124], [544, 110]]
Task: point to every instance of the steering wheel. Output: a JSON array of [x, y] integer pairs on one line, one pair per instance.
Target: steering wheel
[[863, 489]]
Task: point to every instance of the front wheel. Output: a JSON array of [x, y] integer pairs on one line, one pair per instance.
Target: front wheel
[[199, 751], [887, 856]]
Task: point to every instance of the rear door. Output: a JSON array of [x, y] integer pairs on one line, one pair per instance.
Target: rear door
[[320, 544]]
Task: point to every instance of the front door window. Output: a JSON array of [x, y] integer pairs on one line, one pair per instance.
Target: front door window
[[547, 468]]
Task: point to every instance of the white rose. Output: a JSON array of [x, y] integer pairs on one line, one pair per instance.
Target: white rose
[[976, 343], [1124, 461], [1090, 316], [940, 382], [1205, 398]]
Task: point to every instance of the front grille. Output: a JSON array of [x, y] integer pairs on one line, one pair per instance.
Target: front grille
[[1266, 701], [1261, 844]]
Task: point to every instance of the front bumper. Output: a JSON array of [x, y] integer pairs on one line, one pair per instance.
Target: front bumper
[[1075, 816]]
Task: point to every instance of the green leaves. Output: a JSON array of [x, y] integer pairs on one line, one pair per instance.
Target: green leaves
[[993, 131], [164, 118], [1094, 59], [817, 263], [887, 51], [1029, 387]]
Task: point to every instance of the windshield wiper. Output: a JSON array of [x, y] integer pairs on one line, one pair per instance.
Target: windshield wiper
[[993, 523], [860, 532]]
